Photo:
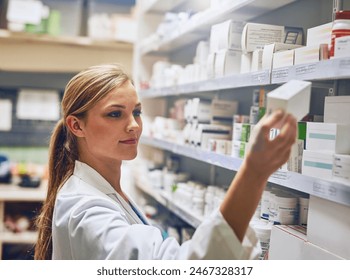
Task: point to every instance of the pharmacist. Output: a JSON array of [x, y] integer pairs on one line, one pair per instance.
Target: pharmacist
[[87, 215]]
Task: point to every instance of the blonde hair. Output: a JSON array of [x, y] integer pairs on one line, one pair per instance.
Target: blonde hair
[[82, 92]]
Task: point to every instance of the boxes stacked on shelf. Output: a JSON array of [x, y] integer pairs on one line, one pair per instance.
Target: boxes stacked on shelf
[[329, 226], [209, 124], [45, 16], [327, 150], [224, 49], [276, 50], [111, 21], [283, 207], [256, 37], [317, 45], [296, 246]]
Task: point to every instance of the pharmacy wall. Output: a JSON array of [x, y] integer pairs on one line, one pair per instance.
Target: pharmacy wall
[[204, 72]]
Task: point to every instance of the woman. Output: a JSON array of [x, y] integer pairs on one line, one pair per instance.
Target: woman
[[87, 215]]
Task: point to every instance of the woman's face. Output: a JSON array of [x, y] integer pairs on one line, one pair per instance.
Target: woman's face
[[112, 127]]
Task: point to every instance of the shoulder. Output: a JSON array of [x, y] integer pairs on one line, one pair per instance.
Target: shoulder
[[76, 198]]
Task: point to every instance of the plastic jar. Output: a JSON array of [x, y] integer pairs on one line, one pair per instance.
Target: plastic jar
[[263, 232], [340, 28]]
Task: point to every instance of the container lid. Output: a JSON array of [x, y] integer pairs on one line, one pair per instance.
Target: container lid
[[342, 15]]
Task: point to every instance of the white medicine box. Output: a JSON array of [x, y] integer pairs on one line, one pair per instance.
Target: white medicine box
[[331, 137], [329, 226], [337, 109], [292, 97], [317, 164]]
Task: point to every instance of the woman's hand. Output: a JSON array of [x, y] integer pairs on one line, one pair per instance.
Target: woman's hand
[[265, 156]]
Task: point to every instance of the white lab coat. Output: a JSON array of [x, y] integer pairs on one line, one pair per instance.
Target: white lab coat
[[91, 221]]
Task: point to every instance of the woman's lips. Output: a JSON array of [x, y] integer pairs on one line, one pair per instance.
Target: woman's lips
[[129, 141]]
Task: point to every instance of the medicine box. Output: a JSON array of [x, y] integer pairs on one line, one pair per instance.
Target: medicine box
[[319, 35], [227, 62], [257, 35], [241, 132], [269, 50], [226, 35], [341, 168], [329, 226], [256, 61], [71, 13], [222, 111], [317, 164], [204, 132], [239, 149], [292, 97], [295, 245], [309, 54], [283, 59], [342, 46], [337, 109], [246, 62], [328, 137]]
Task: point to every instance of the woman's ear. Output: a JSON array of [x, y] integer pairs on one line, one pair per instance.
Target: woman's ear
[[74, 125]]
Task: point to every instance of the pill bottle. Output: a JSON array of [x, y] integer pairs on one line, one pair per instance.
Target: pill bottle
[[340, 28]]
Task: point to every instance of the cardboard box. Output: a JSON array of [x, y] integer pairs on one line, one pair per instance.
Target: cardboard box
[[246, 62], [256, 36], [317, 164], [309, 54], [328, 137], [329, 226], [256, 61], [337, 109], [222, 111], [289, 242], [241, 132], [292, 97], [269, 51], [239, 149], [211, 66], [342, 46], [283, 59], [227, 62], [320, 34], [341, 168], [205, 132], [226, 35], [201, 110]]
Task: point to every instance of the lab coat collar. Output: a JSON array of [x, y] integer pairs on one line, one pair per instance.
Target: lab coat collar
[[90, 176]]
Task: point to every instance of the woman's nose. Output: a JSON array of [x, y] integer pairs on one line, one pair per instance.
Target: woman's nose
[[132, 125]]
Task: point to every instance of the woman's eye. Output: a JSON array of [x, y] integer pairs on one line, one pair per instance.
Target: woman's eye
[[115, 114], [137, 113]]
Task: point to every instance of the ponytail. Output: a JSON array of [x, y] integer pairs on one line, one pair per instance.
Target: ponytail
[[63, 153]]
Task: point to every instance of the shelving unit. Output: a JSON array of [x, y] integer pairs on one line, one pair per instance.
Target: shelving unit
[[13, 193], [198, 27], [329, 190], [333, 69], [329, 77], [23, 52], [167, 201]]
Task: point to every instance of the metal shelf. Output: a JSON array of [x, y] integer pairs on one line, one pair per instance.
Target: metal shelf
[[158, 6], [258, 78], [166, 200], [16, 193], [333, 69], [198, 27], [329, 190]]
